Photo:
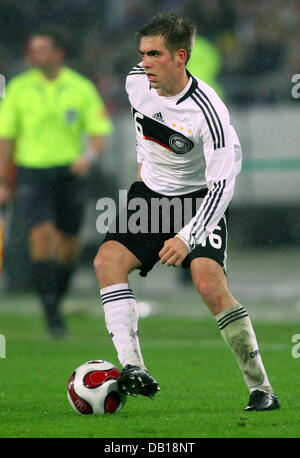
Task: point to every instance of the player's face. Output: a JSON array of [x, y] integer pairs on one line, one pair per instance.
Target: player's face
[[160, 65], [42, 54]]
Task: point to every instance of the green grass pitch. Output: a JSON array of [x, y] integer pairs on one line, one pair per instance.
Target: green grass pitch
[[202, 390]]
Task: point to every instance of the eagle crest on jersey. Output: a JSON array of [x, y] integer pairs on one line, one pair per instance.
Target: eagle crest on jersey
[[157, 132]]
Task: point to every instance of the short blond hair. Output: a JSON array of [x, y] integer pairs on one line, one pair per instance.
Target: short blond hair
[[178, 32]]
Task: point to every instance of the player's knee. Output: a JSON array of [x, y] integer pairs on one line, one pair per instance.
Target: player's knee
[[113, 264], [103, 261], [98, 263]]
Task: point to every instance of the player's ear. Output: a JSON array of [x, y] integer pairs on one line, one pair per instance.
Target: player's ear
[[181, 56]]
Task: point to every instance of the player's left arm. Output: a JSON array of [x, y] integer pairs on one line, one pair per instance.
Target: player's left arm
[[173, 252], [97, 126], [84, 163], [220, 174], [222, 166]]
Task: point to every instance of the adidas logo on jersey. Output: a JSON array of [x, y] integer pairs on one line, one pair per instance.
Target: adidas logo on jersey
[[158, 116]]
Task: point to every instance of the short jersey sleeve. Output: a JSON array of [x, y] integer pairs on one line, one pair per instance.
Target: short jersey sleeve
[[95, 117]]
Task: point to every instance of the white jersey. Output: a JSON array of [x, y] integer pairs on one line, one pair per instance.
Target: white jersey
[[186, 143]]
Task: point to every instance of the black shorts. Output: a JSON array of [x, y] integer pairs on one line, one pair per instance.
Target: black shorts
[[54, 194], [161, 224]]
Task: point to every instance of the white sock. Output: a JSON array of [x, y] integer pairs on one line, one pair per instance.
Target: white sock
[[121, 318], [238, 333]]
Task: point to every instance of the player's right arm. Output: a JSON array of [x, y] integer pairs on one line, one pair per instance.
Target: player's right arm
[[130, 86]]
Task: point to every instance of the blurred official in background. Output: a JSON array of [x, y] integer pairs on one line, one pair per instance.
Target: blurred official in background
[[43, 120]]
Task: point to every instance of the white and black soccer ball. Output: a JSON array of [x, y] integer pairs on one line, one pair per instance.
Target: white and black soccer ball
[[93, 389]]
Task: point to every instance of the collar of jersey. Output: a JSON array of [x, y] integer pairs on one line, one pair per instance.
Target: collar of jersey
[[190, 89]]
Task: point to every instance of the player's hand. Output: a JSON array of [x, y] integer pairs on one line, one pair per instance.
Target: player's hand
[[173, 252], [81, 166], [5, 194]]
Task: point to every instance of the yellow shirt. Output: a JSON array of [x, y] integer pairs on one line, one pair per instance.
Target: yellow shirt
[[48, 118]]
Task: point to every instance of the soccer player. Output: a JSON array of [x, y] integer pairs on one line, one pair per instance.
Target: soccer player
[[43, 119], [186, 149]]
